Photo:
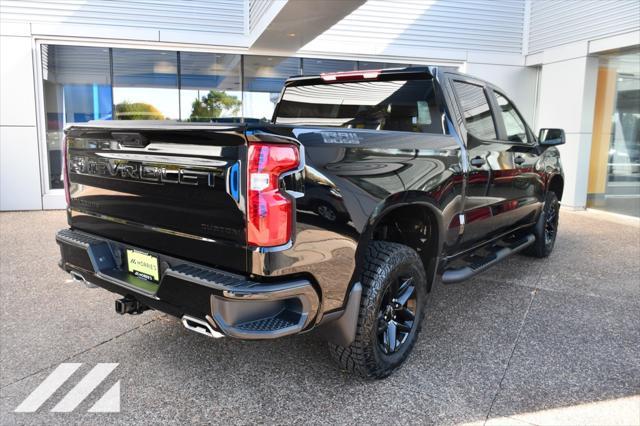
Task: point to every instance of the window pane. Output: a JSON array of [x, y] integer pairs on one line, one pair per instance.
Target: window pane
[[516, 130], [210, 87], [475, 107], [264, 77], [145, 84], [614, 167], [318, 66], [383, 105], [76, 89]]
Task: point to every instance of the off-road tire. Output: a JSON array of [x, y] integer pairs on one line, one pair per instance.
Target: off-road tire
[[384, 263], [543, 245]]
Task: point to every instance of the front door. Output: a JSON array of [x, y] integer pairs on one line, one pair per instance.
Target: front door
[[516, 181]]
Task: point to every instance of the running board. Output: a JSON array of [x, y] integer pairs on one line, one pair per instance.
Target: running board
[[451, 276]]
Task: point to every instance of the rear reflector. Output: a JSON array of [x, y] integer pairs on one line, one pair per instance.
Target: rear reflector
[[269, 210]]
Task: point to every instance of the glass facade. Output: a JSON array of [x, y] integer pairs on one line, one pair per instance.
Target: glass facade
[[210, 87], [263, 80], [145, 84], [101, 83], [614, 174], [77, 88]]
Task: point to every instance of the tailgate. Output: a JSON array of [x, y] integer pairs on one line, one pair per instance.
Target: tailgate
[[172, 189]]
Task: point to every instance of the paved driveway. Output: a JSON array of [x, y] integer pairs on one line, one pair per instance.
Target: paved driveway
[[530, 341]]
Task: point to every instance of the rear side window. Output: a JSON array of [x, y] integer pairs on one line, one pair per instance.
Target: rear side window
[[513, 123], [400, 105], [476, 110]]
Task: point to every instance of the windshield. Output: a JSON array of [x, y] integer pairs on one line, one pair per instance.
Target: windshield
[[402, 105]]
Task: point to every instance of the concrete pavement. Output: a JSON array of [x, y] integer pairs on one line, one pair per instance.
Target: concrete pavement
[[528, 342]]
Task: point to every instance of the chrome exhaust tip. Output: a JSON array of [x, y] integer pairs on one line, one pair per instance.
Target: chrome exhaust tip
[[200, 326]]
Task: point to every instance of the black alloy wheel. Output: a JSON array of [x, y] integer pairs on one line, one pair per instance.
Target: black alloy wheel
[[550, 222], [392, 306], [397, 314]]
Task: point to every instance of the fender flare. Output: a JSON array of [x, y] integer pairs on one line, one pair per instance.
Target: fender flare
[[386, 207]]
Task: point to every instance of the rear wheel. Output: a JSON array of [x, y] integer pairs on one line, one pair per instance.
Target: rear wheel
[[391, 311], [546, 229]]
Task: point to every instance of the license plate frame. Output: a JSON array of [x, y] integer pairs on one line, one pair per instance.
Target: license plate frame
[[143, 265]]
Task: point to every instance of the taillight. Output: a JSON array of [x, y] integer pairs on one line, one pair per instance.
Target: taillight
[[65, 171], [269, 211]]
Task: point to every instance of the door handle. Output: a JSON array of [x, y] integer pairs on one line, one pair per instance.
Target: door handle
[[477, 161], [519, 160]]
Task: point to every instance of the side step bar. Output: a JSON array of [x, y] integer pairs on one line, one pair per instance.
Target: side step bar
[[451, 276]]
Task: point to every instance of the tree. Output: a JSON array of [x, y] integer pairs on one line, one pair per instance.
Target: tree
[[137, 111], [213, 104]]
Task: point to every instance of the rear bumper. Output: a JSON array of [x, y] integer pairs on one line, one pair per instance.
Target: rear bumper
[[232, 304]]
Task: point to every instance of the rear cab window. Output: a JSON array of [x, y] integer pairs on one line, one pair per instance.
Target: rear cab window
[[397, 105]]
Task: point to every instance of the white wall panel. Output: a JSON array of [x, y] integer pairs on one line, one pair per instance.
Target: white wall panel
[[557, 22], [384, 27], [567, 100], [17, 98], [19, 169], [19, 161], [217, 16]]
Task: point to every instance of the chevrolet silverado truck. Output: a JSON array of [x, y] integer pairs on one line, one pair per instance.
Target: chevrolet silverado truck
[[337, 216]]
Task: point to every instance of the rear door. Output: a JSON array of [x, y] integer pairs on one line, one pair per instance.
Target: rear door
[[486, 155], [172, 189]]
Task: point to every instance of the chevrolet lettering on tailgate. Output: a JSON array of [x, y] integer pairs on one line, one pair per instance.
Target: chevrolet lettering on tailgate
[[136, 170]]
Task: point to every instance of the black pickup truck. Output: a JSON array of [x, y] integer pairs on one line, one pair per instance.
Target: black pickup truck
[[337, 216]]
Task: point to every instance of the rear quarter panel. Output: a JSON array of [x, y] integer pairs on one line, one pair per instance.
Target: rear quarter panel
[[367, 173]]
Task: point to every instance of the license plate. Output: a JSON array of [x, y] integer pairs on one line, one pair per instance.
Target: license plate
[[143, 265]]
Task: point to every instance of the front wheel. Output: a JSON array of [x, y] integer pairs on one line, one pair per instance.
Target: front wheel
[[546, 229], [391, 311], [327, 212]]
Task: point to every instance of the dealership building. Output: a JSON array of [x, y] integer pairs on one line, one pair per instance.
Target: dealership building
[[573, 64]]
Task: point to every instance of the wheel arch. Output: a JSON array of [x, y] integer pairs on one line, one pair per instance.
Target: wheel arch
[[418, 225], [556, 184]]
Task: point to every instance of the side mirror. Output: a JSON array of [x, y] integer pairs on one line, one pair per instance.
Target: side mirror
[[551, 137]]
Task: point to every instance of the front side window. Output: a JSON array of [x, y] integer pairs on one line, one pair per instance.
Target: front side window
[[515, 127], [476, 110], [399, 105]]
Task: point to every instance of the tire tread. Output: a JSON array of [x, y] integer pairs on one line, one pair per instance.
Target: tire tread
[[380, 258]]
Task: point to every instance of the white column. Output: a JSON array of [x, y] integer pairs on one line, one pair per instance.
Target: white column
[[20, 187], [566, 100]]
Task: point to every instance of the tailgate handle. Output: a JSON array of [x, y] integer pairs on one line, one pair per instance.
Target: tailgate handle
[[130, 139]]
